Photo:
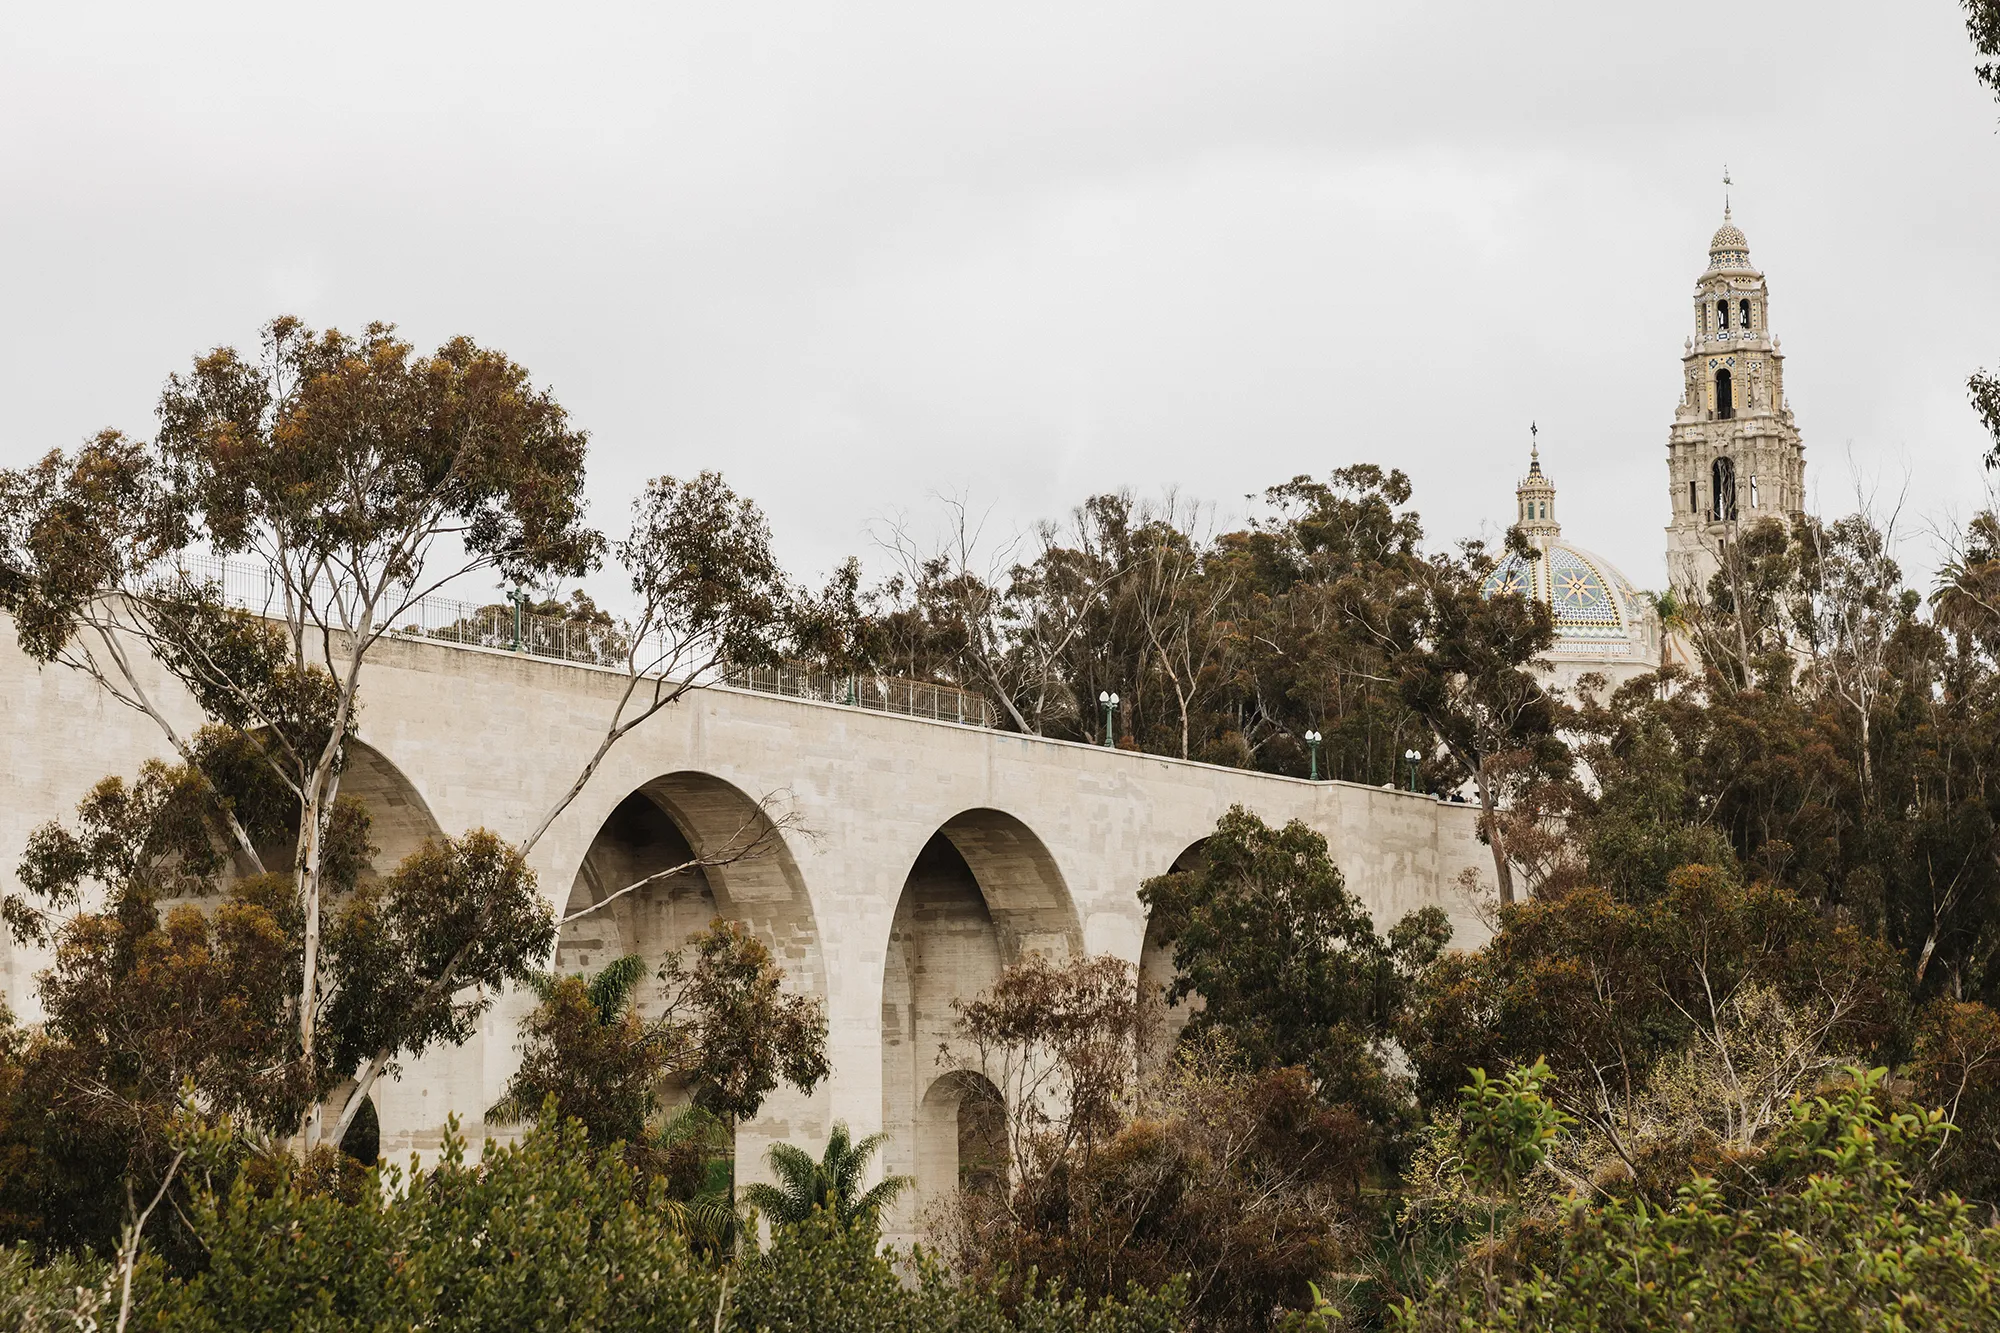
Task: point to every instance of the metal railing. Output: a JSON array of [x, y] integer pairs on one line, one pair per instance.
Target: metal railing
[[880, 694], [506, 628]]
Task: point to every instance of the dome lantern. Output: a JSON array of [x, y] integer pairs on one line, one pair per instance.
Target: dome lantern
[[1601, 622], [1729, 248], [1535, 510]]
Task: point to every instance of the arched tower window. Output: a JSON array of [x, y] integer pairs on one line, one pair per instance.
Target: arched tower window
[[1722, 476], [1722, 315], [1743, 319], [1725, 396], [1694, 503]]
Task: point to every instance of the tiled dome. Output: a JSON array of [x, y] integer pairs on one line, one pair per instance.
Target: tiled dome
[[1595, 608], [1729, 247]]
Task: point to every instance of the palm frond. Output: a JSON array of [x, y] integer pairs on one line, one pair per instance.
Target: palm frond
[[832, 1182], [611, 989], [703, 1221], [846, 1161], [691, 1124], [511, 1109], [879, 1198], [772, 1202], [799, 1172]]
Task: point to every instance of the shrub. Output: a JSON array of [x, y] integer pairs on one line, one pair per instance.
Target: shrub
[[1829, 1235]]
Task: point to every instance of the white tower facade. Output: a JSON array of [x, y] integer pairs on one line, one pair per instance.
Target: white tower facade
[[1734, 454]]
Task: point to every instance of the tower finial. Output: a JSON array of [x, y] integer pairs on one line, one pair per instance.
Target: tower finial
[[1726, 183], [1534, 448]]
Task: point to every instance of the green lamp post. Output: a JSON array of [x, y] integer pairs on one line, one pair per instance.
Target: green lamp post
[[519, 597]]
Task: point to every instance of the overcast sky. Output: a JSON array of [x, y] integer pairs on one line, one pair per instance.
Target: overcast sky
[[859, 255]]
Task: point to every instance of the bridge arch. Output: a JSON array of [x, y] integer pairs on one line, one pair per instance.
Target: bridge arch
[[961, 1138], [399, 819], [983, 893], [667, 823], [1157, 972], [664, 825]]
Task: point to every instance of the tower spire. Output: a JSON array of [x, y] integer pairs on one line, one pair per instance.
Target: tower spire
[[1536, 498]]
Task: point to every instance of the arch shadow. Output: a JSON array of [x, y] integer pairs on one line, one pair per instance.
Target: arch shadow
[[982, 895], [399, 819], [961, 1138], [1157, 972], [670, 821], [1024, 890]]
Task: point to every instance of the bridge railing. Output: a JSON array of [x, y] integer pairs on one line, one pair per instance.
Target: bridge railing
[[881, 694], [594, 643]]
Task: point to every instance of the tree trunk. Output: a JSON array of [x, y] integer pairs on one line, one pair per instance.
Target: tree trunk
[[1503, 873]]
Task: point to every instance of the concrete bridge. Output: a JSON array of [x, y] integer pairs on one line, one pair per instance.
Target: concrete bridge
[[920, 857]]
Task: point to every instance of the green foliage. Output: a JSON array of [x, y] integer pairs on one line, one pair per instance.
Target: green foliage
[[1984, 386], [1982, 24], [832, 1183], [586, 1054], [1287, 961], [1244, 1182], [702, 570], [1465, 664], [152, 992], [544, 1234], [1060, 1041], [823, 1276], [187, 974], [1829, 1234], [1506, 1125], [731, 1031], [1221, 648], [1956, 1067], [458, 437], [1605, 989], [415, 958], [64, 1295], [541, 1234]]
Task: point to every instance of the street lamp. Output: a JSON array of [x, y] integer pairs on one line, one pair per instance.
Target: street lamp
[[1110, 702], [519, 597], [1313, 738], [1412, 757]]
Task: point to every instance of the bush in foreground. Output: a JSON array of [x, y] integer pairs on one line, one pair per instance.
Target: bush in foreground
[[1829, 1235], [544, 1234]]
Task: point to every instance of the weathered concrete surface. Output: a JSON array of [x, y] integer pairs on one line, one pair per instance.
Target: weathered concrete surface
[[1044, 844]]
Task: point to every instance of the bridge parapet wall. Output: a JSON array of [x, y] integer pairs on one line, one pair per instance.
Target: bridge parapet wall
[[487, 738]]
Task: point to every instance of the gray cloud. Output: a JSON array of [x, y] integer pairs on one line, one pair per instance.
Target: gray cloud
[[853, 255]]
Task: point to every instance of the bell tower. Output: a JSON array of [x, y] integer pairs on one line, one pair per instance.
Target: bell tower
[[1733, 455]]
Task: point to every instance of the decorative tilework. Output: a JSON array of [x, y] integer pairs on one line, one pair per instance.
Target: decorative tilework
[[1591, 603]]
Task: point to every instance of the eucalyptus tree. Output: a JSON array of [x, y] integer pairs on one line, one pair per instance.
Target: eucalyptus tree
[[1468, 663], [354, 477], [359, 476]]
